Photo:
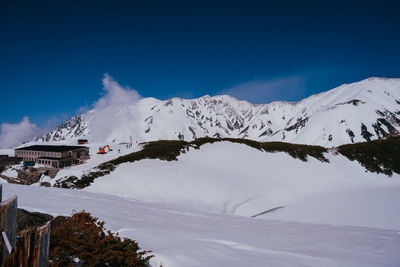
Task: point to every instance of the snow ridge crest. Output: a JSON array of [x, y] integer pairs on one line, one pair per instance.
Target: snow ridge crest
[[356, 112]]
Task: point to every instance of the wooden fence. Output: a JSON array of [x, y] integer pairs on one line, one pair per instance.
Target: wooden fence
[[30, 247]]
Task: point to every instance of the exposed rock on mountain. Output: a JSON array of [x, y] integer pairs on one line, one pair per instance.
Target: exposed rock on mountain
[[361, 111]]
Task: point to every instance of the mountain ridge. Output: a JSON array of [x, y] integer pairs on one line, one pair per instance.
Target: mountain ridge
[[361, 111]]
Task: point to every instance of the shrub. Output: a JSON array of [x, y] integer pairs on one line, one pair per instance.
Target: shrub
[[380, 156], [82, 238], [170, 149]]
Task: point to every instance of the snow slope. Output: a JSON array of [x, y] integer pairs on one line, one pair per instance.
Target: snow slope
[[369, 109], [187, 237], [236, 179], [186, 211]]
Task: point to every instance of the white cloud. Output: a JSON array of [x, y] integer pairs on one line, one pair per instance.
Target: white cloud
[[83, 109], [115, 94], [13, 135], [114, 115], [265, 91]]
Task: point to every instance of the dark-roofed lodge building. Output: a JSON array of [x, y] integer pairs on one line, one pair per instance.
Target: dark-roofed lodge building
[[53, 156]]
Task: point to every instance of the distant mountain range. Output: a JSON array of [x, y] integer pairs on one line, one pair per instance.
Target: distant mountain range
[[356, 112]]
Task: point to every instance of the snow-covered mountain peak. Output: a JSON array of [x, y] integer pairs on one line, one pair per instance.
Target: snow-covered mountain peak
[[381, 79], [360, 111]]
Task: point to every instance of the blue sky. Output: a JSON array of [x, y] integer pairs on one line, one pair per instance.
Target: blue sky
[[54, 54]]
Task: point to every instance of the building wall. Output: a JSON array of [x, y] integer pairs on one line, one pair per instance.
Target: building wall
[[29, 155], [76, 154], [61, 163], [33, 155]]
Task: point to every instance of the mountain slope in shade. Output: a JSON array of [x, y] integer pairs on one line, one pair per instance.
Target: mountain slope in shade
[[361, 111]]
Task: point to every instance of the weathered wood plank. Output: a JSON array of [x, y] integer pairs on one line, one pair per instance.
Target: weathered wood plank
[[32, 249], [22, 255], [43, 245], [8, 224], [7, 242]]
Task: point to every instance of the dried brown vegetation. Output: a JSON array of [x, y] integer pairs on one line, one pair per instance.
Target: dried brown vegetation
[[170, 149], [83, 239]]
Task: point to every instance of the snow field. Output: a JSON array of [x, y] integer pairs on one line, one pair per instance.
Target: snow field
[[181, 236], [220, 178]]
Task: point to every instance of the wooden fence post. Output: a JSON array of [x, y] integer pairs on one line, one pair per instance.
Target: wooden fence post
[[43, 245], [32, 248], [8, 227]]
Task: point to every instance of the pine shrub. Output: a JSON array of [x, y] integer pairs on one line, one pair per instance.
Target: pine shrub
[[83, 239]]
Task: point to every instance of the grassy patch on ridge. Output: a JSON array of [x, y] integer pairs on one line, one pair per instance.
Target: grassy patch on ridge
[[171, 149]]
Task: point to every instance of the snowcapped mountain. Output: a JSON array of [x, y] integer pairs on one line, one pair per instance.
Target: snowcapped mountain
[[74, 127], [361, 111]]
